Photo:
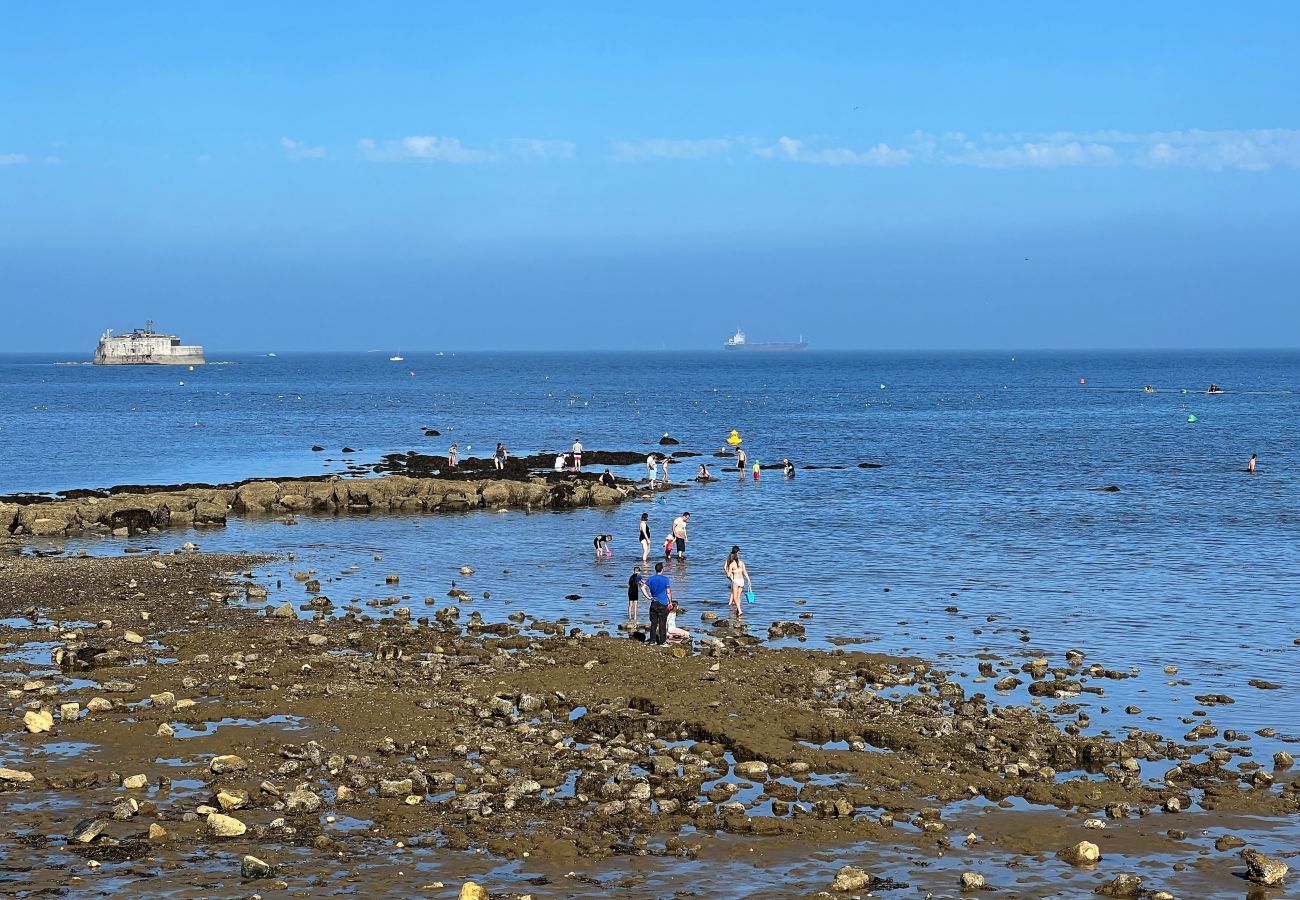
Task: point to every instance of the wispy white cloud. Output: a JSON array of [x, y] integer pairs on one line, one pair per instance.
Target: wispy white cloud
[[13, 159], [791, 150], [1247, 150], [296, 150], [432, 148], [670, 148]]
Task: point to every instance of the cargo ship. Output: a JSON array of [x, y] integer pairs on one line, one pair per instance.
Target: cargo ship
[[737, 342], [146, 347]]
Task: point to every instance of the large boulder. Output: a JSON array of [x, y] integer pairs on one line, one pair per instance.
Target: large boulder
[[208, 513]]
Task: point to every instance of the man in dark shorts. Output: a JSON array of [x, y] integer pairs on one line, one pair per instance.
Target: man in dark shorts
[[679, 532], [661, 594]]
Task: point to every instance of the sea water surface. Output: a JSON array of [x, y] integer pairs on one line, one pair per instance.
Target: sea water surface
[[983, 532]]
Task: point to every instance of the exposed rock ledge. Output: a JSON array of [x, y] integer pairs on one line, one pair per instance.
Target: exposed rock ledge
[[128, 513]]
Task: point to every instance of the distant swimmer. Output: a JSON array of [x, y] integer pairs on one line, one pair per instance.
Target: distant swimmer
[[1148, 389], [1250, 466], [1214, 389], [787, 467]]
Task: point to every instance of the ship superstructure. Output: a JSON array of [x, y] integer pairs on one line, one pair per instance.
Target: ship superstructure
[[146, 347]]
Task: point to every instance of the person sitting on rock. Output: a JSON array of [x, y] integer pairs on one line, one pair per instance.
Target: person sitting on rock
[[559, 462], [676, 635]]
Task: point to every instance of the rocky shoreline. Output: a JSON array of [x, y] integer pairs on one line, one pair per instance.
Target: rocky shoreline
[[132, 510], [219, 722]]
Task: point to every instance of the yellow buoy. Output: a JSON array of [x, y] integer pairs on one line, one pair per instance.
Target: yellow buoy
[[734, 438]]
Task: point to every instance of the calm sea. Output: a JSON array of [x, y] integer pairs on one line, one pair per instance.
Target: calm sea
[[987, 501]]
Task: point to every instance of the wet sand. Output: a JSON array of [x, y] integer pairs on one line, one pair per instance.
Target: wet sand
[[404, 742]]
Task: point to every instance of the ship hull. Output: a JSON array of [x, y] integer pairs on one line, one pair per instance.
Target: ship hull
[[770, 348]]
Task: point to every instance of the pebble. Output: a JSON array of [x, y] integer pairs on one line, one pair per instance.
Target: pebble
[[972, 881], [132, 637], [156, 832]]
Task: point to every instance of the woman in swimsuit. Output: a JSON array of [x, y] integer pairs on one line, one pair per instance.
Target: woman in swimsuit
[[738, 575], [644, 537]]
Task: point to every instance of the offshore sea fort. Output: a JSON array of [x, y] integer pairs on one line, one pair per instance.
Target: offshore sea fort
[[146, 347], [1009, 630]]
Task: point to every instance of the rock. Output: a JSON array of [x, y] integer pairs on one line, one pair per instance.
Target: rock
[[38, 720], [69, 712], [229, 799], [156, 832], [132, 637], [395, 788], [225, 826], [117, 686], [135, 782], [302, 800], [972, 881], [667, 441], [1124, 885], [14, 776], [165, 730], [1283, 760], [98, 704], [1228, 842], [252, 867], [1263, 869], [284, 611], [851, 878], [1084, 853], [472, 891], [467, 570], [86, 831], [754, 769], [220, 765]]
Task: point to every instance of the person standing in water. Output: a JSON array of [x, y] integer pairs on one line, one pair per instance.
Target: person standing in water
[[499, 456], [741, 458], [635, 585], [1250, 466], [679, 532], [738, 575], [788, 467], [643, 536], [757, 467]]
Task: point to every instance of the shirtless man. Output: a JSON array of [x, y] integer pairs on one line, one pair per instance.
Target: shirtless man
[[679, 532], [1250, 466]]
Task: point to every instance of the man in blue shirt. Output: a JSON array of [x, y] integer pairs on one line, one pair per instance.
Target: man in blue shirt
[[661, 594]]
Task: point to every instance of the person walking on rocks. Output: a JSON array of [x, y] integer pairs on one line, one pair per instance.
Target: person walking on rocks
[[652, 466], [577, 455], [453, 457], [665, 470], [679, 533], [643, 535], [661, 594], [500, 456]]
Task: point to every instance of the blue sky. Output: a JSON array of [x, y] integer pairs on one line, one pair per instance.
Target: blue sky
[[581, 175]]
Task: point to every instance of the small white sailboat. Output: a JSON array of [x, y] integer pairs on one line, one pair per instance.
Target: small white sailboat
[[398, 357]]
